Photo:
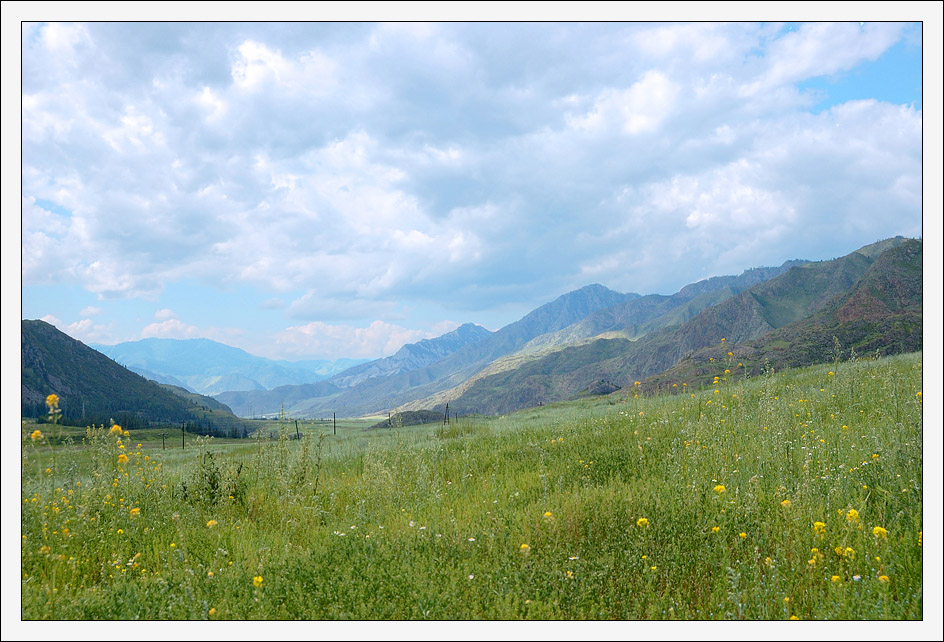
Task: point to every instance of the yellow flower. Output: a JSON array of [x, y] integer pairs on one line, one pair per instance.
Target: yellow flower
[[257, 581], [211, 523], [212, 612], [785, 503], [835, 578], [883, 578], [548, 514], [209, 573], [36, 435], [878, 531], [715, 529], [134, 512], [524, 549], [52, 401], [848, 552], [742, 535], [122, 458], [819, 528], [115, 430], [852, 515], [719, 488], [793, 617], [642, 521]]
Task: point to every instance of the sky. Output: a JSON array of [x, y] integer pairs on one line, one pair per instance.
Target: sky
[[328, 190]]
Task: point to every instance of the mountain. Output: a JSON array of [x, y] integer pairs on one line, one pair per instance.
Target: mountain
[[412, 356], [880, 315], [209, 367], [639, 316], [93, 389], [870, 297]]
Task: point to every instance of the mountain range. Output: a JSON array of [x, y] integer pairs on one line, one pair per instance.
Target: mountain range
[[209, 367], [587, 342], [94, 390]]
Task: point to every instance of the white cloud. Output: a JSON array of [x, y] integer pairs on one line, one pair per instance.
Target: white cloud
[[170, 329], [350, 171], [640, 108], [318, 339], [165, 313], [90, 311]]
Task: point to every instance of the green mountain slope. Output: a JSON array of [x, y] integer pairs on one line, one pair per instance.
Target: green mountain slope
[[93, 389], [885, 286]]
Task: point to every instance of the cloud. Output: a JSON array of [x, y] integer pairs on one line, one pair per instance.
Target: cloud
[[347, 169], [170, 329], [84, 330], [90, 311], [318, 339], [165, 313]]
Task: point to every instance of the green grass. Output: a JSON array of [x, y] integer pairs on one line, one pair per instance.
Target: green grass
[[429, 521]]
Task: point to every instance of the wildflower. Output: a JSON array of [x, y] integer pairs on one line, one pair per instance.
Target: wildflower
[[835, 578], [719, 489], [856, 578], [36, 435], [848, 552], [819, 528], [852, 515], [52, 401], [768, 561], [883, 578], [785, 503], [878, 531], [742, 535], [471, 576], [172, 545], [793, 617], [548, 514], [642, 521], [121, 531], [524, 549], [115, 430], [471, 539], [570, 575], [257, 581], [212, 523], [715, 529], [212, 612], [122, 458], [135, 512], [652, 568]]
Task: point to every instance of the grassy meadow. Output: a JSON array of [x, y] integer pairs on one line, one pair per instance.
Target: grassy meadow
[[796, 494]]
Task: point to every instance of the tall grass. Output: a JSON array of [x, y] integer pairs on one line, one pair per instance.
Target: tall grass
[[795, 494]]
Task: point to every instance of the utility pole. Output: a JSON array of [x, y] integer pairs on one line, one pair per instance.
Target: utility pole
[[335, 423], [163, 441], [297, 435], [183, 436]]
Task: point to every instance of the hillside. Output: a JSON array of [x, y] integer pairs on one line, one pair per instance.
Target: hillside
[[880, 315], [379, 393], [93, 389], [863, 284]]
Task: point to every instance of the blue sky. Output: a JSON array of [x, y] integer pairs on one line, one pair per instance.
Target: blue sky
[[326, 190]]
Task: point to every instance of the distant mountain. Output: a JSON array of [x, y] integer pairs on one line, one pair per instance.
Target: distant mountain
[[866, 298], [209, 367], [410, 357], [641, 315], [93, 389]]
